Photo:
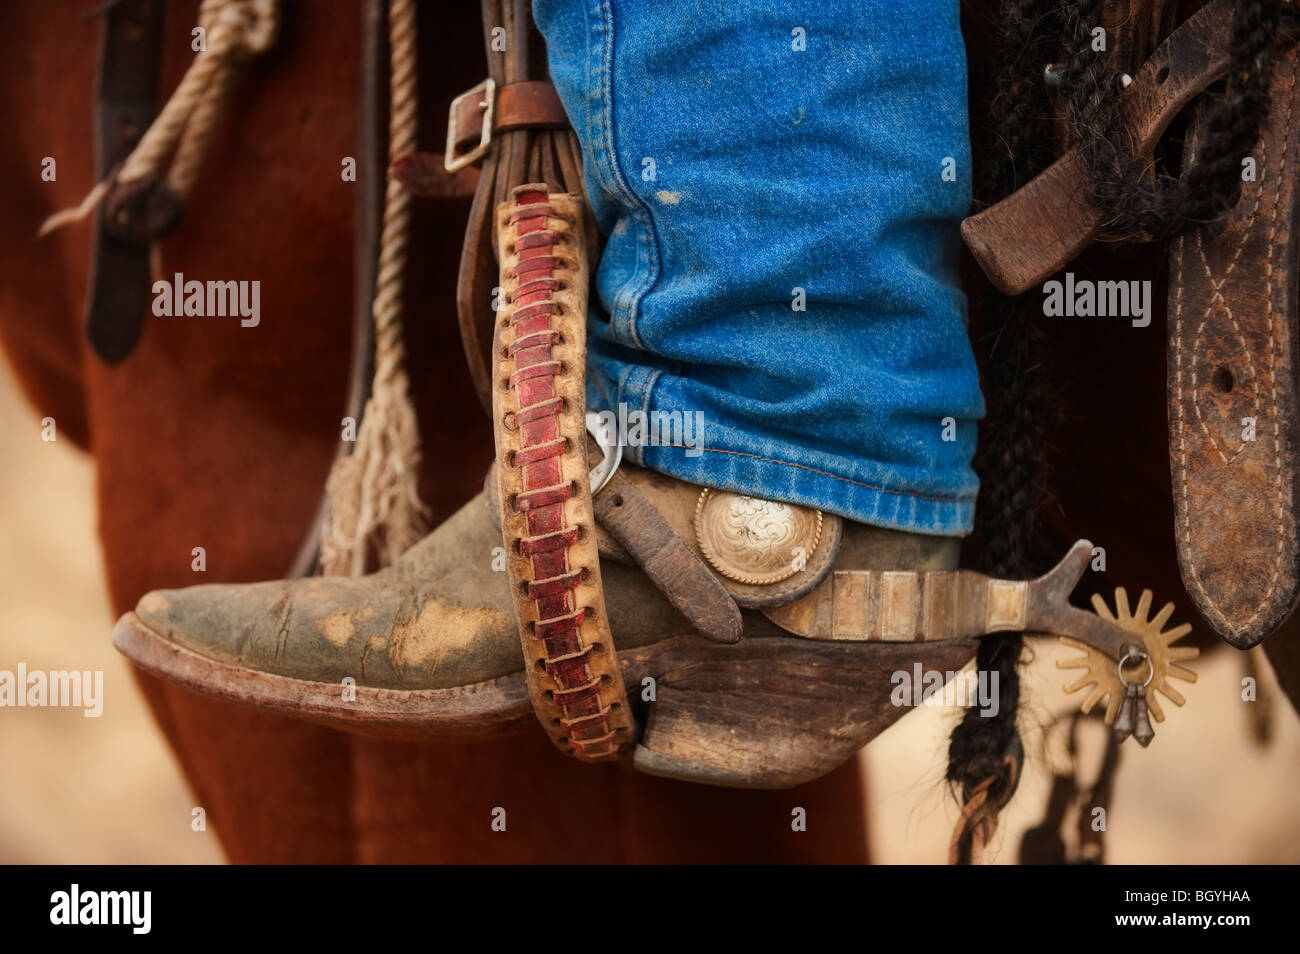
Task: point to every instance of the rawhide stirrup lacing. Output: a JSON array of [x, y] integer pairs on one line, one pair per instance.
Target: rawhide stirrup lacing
[[544, 493]]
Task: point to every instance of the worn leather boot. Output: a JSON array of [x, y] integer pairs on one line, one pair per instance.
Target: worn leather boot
[[430, 648]]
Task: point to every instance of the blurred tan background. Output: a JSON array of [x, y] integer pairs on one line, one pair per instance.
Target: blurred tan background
[[73, 789], [78, 790]]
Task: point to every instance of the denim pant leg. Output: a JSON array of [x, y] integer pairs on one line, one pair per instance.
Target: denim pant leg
[[779, 185]]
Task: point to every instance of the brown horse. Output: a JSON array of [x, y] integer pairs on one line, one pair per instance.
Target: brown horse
[[208, 437], [215, 436]]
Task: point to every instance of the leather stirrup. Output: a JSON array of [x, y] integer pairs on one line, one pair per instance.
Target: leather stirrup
[[544, 494]]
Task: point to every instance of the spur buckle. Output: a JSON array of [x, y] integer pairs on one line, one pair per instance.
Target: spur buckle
[[611, 451], [486, 94]]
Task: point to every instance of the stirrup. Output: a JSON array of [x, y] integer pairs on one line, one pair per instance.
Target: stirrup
[[543, 487]]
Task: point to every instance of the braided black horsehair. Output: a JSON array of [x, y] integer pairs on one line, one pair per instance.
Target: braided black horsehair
[[985, 754], [1009, 457], [1166, 207]]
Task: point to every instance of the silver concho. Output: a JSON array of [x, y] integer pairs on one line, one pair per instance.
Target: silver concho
[[751, 540]]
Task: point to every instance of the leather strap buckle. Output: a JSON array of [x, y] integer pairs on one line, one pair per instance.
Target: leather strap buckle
[[486, 93]]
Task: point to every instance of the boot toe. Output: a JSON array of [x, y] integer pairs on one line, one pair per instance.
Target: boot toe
[[228, 623], [324, 630]]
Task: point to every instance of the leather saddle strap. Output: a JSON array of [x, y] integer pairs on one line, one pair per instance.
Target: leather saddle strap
[[1042, 227], [530, 104], [1232, 389], [118, 295], [536, 151], [544, 496]]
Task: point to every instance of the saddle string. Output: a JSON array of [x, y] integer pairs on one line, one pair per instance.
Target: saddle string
[[234, 32], [372, 494]]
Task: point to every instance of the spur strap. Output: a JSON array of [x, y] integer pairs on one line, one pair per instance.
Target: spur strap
[[649, 540], [117, 299], [543, 492], [1232, 389]]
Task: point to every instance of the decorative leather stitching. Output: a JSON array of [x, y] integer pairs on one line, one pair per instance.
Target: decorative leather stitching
[[1217, 300], [573, 676], [1208, 604], [1274, 343]]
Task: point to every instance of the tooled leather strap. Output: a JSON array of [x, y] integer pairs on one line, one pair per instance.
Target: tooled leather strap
[[538, 415], [1232, 390]]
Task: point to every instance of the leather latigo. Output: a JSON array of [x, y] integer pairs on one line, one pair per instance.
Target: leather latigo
[[117, 298], [1039, 229], [1232, 390], [544, 496]]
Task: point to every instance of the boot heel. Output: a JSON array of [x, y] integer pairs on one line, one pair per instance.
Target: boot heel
[[769, 713]]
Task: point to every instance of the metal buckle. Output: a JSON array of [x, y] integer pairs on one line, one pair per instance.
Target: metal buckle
[[486, 92], [610, 448]]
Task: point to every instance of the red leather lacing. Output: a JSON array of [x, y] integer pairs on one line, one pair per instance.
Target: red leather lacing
[[548, 542]]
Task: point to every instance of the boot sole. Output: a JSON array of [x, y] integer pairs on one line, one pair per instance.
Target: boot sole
[[479, 711], [762, 713]]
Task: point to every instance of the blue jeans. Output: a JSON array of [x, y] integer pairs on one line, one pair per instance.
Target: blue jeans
[[779, 185]]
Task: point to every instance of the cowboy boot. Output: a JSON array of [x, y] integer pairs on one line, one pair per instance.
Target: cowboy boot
[[432, 645], [836, 641], [429, 647], [763, 643]]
